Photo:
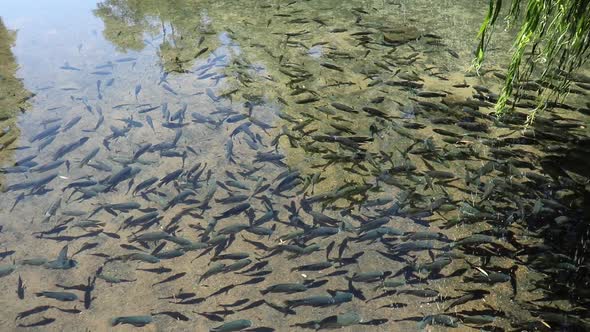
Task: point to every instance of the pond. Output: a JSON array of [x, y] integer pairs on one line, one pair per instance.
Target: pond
[[282, 166]]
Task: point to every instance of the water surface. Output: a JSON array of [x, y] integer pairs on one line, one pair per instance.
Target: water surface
[[344, 146]]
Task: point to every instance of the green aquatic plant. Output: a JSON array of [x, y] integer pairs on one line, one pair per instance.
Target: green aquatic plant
[[553, 41]]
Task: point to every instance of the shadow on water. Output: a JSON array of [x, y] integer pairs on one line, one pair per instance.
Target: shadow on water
[[177, 34], [340, 147], [13, 98]]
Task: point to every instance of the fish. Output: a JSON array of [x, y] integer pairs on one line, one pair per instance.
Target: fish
[[62, 262], [313, 267], [111, 279], [214, 269], [20, 289], [71, 123], [126, 59], [66, 66], [169, 89], [331, 66], [7, 270], [233, 211], [137, 90], [211, 316], [139, 256], [236, 325], [439, 319], [89, 157], [334, 321], [158, 270], [137, 321], [170, 177], [49, 131], [98, 93], [145, 184], [238, 265], [172, 314], [202, 51], [67, 148], [60, 296], [151, 236], [32, 184], [150, 122], [343, 107]]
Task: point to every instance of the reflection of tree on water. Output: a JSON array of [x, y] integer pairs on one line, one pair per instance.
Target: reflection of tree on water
[[133, 24], [12, 95]]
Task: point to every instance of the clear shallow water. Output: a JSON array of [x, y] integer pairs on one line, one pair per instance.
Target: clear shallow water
[[292, 108]]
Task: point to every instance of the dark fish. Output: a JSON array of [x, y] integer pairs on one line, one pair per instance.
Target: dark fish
[[307, 100], [285, 288], [86, 246], [6, 253], [62, 262], [170, 177], [173, 314], [343, 107], [145, 184], [146, 110], [98, 84], [150, 122], [342, 247], [49, 131], [191, 301], [201, 52], [60, 296], [253, 281], [71, 123], [396, 305], [234, 211], [331, 66], [158, 270], [236, 325], [419, 292], [169, 89], [252, 305], [137, 321], [88, 292], [137, 90], [141, 150], [211, 317], [127, 59], [313, 267], [20, 290], [211, 95], [67, 66], [472, 295], [89, 156], [65, 149], [47, 141]]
